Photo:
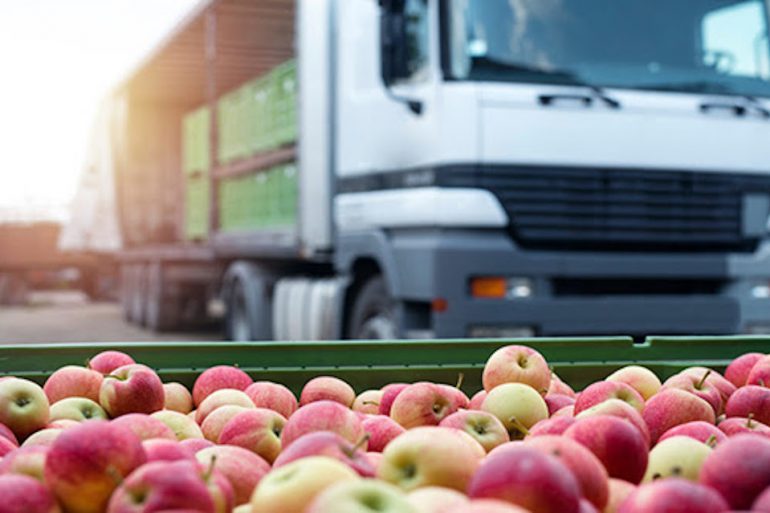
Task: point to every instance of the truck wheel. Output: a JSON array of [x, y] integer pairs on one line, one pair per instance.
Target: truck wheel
[[249, 309], [162, 308], [373, 316], [237, 322]]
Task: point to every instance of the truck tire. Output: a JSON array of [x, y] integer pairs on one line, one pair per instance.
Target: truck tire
[[373, 315], [249, 309], [138, 297], [162, 308]]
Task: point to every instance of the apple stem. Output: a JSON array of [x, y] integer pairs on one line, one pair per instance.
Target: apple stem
[[712, 441], [370, 403], [352, 451], [521, 428], [210, 470], [703, 379], [750, 421], [460, 379]]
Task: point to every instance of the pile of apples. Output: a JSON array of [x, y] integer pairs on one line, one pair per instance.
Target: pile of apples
[[111, 437]]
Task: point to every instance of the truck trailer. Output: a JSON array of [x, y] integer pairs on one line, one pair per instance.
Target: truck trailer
[[381, 169]]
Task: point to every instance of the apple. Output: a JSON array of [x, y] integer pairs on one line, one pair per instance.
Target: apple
[[216, 421], [381, 430], [222, 397], [6, 446], [587, 469], [162, 449], [527, 477], [85, 464], [699, 430], [163, 485], [177, 398], [518, 406], [517, 364], [698, 387], [749, 400], [422, 404], [23, 494], [77, 409], [620, 409], [739, 469], [619, 491], [678, 456], [28, 461], [477, 400], [362, 496], [322, 416], [217, 378], [327, 388], [552, 426], [389, 394], [272, 396], [419, 458], [482, 426], [332, 445], [725, 388], [368, 402], [760, 373], [63, 423], [257, 430], [131, 389], [672, 407], [641, 379], [556, 402], [616, 442], [560, 387], [241, 467], [737, 425], [436, 499], [107, 361], [738, 371], [220, 489], [292, 488], [762, 504], [457, 396], [24, 407], [44, 437], [486, 506], [73, 381], [567, 411], [5, 432], [375, 459], [605, 390], [673, 495], [196, 444], [145, 426], [182, 426]]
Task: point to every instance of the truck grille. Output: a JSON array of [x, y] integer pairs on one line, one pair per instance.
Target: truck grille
[[618, 210]]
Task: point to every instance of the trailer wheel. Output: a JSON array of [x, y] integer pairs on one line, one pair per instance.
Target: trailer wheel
[[137, 308], [247, 299], [373, 316], [162, 309]]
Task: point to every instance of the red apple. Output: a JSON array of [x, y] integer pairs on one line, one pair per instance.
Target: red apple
[[739, 469], [86, 462], [436, 499], [641, 379], [145, 427], [6, 446], [217, 378], [762, 504], [322, 416], [23, 494], [605, 390], [107, 361], [672, 495], [327, 388], [219, 398], [737, 425], [196, 444], [620, 409], [177, 398], [738, 371], [760, 373], [389, 394], [719, 382], [556, 402], [560, 387], [73, 381], [485, 506], [44, 437], [5, 432], [672, 407], [28, 461], [131, 389], [517, 364], [64, 423], [552, 426], [422, 404], [699, 430], [257, 430], [527, 477], [617, 444], [381, 430], [241, 467], [217, 420], [368, 402], [161, 449], [699, 387], [589, 471], [619, 491], [24, 407], [375, 458], [483, 427], [567, 411], [749, 400], [272, 396], [477, 400], [332, 445]]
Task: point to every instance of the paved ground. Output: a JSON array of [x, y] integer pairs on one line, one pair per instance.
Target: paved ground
[[68, 317]]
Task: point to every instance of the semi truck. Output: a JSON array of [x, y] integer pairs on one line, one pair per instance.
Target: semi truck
[[381, 169]]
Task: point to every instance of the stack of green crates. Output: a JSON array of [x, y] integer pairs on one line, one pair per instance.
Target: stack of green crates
[[262, 201], [196, 161]]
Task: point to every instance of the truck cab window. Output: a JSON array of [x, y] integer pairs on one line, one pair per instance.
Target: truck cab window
[[406, 43], [735, 40]]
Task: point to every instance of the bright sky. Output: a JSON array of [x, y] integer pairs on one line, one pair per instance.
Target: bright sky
[[58, 59]]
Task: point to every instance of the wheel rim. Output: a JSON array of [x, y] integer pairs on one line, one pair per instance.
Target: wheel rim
[[379, 327], [239, 320]]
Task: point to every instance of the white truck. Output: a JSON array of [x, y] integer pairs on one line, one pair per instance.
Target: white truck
[[460, 168]]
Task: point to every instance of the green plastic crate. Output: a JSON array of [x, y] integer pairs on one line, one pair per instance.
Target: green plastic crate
[[196, 207], [196, 143], [284, 103]]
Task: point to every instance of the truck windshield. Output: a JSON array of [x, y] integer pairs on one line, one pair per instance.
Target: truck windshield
[[700, 46]]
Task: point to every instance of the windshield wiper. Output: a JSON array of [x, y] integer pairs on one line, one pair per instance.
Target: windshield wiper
[[558, 77]]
